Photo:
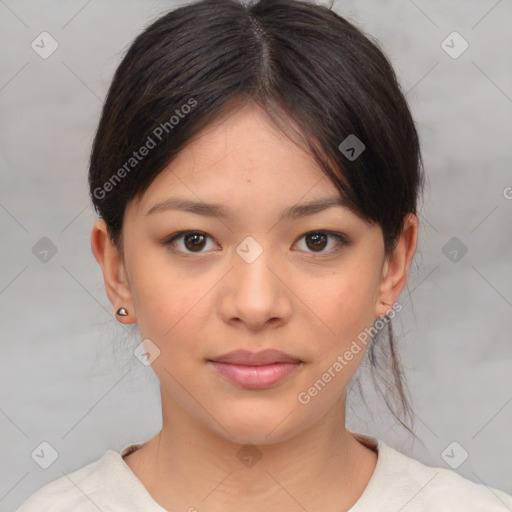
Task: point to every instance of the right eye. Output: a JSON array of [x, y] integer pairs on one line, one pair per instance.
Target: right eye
[[190, 242]]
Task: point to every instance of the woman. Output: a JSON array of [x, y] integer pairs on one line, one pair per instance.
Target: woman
[[256, 171]]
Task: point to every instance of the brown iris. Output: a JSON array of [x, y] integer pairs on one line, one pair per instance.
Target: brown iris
[[194, 241], [319, 240]]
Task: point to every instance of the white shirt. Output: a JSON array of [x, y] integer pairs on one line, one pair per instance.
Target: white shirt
[[399, 483]]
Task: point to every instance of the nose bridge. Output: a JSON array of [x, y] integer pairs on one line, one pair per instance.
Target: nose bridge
[[252, 259], [255, 293]]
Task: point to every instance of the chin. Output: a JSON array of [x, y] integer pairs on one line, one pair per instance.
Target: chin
[[256, 425]]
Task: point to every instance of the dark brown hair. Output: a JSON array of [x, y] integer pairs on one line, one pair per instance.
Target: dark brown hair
[[308, 67]]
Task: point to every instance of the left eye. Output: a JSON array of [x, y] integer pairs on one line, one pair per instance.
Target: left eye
[[319, 240], [195, 241]]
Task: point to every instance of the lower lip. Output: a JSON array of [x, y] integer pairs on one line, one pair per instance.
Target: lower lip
[[255, 377]]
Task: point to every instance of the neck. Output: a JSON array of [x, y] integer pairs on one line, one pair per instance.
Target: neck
[[323, 467]]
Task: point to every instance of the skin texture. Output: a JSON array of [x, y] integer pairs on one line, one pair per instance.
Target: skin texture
[[306, 301]]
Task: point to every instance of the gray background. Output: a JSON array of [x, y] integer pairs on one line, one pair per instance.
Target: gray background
[[68, 376]]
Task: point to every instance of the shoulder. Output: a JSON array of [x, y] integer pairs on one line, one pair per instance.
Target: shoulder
[[428, 488], [79, 491]]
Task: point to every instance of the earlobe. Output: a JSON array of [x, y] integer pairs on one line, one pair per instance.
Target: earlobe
[[111, 262]]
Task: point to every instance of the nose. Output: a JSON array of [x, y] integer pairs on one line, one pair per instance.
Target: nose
[[255, 293]]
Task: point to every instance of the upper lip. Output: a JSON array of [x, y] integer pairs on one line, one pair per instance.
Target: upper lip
[[246, 357]]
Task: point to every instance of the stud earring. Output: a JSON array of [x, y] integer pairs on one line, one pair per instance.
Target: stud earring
[[122, 312]]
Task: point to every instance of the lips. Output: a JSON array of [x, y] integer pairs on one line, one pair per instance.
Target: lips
[[255, 370], [265, 357]]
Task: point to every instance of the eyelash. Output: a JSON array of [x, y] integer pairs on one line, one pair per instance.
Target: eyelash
[[341, 238]]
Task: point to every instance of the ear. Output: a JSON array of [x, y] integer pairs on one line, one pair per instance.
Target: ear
[[396, 266], [111, 262]]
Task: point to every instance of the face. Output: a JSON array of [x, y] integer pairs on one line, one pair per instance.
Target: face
[[250, 278]]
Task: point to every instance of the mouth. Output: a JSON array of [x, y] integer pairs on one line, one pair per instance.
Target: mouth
[[255, 376], [255, 370]]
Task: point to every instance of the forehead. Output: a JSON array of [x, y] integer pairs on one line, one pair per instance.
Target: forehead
[[243, 154]]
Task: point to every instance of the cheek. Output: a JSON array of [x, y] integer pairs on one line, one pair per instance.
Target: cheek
[[345, 306], [168, 306], [346, 303], [162, 296], [173, 311]]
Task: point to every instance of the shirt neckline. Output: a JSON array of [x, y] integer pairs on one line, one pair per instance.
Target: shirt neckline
[[375, 489], [144, 499]]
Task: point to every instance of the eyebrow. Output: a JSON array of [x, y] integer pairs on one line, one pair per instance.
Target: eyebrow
[[218, 210]]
